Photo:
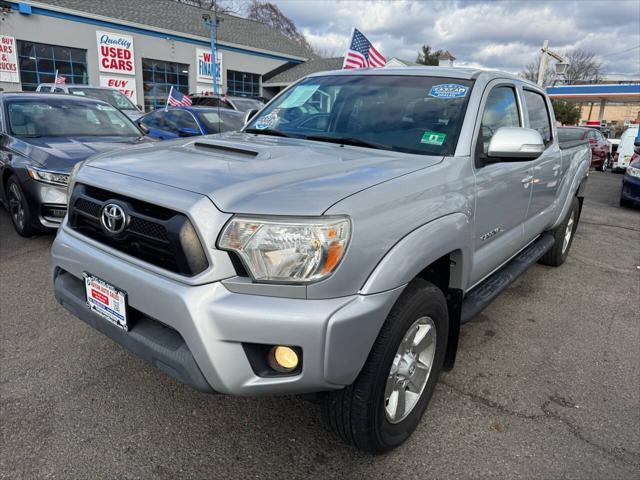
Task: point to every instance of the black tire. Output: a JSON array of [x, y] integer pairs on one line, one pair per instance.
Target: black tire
[[357, 413], [558, 254], [625, 203], [19, 210]]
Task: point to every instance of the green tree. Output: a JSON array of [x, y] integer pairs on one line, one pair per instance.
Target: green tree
[[426, 56], [566, 113]]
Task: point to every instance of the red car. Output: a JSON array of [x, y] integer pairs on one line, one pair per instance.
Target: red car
[[600, 147]]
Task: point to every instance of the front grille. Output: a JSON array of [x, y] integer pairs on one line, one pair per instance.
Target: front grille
[[154, 234]]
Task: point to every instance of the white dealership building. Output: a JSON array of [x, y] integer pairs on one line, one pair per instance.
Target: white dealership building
[[143, 48]]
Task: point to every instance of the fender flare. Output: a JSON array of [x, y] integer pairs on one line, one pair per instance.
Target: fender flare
[[420, 248], [578, 186]]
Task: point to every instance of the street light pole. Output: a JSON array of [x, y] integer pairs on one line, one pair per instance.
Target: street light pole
[[561, 66], [213, 23]]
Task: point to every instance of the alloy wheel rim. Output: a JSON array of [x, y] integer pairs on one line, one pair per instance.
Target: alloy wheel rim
[[568, 232], [410, 370], [15, 206]]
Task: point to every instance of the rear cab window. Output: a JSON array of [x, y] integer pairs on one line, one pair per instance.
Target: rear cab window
[[538, 114]]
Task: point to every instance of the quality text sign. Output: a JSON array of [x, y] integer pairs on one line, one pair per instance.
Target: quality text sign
[[8, 60], [115, 53], [125, 85]]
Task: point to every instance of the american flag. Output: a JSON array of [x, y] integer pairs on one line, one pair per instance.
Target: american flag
[[362, 53], [177, 99], [60, 80]]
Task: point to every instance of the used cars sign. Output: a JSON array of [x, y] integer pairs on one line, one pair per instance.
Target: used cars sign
[[115, 53]]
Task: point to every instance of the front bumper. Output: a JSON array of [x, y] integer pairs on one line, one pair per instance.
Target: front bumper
[[631, 189], [48, 202], [208, 325]]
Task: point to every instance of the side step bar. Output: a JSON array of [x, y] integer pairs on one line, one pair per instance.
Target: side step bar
[[482, 295]]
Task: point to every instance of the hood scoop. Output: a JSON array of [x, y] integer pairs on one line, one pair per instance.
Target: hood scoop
[[226, 149]]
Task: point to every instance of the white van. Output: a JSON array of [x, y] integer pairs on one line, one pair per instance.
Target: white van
[[622, 159]]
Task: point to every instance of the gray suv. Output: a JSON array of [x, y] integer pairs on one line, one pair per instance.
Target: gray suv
[[335, 245]]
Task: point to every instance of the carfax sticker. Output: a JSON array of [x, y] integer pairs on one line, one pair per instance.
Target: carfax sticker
[[433, 138], [448, 90]]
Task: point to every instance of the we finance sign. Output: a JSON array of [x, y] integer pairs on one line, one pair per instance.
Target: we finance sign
[[115, 53], [204, 69]]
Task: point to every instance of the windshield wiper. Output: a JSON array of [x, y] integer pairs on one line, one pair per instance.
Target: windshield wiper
[[356, 142], [267, 131]]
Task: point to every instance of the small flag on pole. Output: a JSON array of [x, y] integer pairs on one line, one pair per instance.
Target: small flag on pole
[[59, 79], [177, 99], [362, 53]]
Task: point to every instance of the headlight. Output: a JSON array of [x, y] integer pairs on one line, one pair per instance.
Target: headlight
[[48, 176], [72, 179], [633, 171], [288, 250]]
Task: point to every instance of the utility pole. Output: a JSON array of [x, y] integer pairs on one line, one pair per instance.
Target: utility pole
[[561, 66], [213, 24]]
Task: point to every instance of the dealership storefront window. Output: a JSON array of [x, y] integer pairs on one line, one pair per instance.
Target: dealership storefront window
[[243, 83], [39, 62], [158, 77]]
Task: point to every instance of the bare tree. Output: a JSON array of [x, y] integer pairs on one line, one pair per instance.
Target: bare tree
[[236, 7], [270, 14], [583, 66]]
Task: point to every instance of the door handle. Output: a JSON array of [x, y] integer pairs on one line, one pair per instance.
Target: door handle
[[527, 180], [556, 167]]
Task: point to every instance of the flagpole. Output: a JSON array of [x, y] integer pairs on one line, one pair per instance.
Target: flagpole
[[344, 60], [166, 105]]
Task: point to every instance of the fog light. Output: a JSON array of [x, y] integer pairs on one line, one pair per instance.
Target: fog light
[[283, 359]]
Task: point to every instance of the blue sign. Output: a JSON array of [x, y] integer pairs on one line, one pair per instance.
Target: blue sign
[[448, 90]]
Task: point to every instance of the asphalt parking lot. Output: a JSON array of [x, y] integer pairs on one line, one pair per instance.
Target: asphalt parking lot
[[546, 385]]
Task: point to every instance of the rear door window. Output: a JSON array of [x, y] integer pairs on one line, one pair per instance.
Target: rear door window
[[501, 110], [538, 114], [176, 120]]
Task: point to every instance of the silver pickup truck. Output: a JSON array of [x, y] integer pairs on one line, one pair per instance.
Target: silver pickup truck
[[335, 245]]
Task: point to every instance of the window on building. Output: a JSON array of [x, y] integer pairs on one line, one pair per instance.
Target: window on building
[[538, 115], [243, 83], [158, 77], [39, 62]]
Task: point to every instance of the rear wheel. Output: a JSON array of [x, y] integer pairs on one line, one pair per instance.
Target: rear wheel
[[19, 208], [563, 235], [384, 405]]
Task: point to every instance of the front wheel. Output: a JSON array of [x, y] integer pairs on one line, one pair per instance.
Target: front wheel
[[384, 405], [19, 208]]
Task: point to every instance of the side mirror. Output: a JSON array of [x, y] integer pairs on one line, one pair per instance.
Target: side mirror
[[515, 144], [139, 107], [143, 128], [249, 115], [188, 132]]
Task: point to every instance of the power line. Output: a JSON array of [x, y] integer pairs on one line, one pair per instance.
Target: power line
[[618, 53]]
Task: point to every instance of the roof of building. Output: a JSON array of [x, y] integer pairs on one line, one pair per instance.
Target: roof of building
[[446, 55], [302, 70], [185, 19], [596, 92]]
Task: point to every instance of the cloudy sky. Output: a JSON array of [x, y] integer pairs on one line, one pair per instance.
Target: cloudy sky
[[493, 34]]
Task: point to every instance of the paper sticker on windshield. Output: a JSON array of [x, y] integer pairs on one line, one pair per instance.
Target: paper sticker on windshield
[[107, 108], [433, 138], [448, 90], [299, 96], [268, 121]]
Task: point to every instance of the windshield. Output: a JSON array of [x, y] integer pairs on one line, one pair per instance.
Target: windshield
[[66, 117], [113, 97], [414, 114], [221, 121], [246, 104]]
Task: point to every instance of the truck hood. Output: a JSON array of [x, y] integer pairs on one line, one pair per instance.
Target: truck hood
[[259, 174]]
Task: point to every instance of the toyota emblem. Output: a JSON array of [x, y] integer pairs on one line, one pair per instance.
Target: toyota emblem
[[113, 218]]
